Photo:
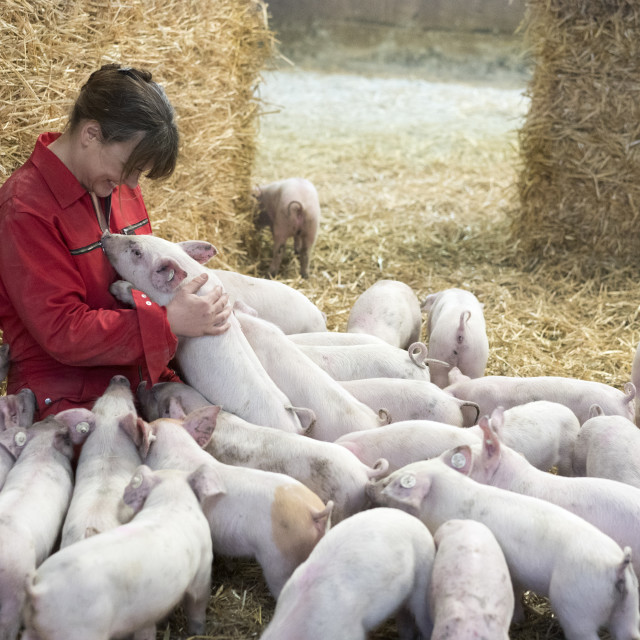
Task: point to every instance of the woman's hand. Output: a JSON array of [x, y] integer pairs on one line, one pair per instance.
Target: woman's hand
[[192, 316]]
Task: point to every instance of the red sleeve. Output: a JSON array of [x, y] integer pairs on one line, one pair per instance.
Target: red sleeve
[[152, 320]]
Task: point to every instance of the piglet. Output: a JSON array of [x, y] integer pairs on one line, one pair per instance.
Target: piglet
[[329, 470], [12, 443], [405, 399], [333, 338], [490, 392], [223, 368], [608, 447], [126, 579], [33, 502], [401, 443], [613, 507], [17, 409], [307, 384], [470, 595], [388, 309], [370, 361], [169, 400], [106, 463], [368, 568], [291, 208], [257, 514], [456, 333], [274, 301], [588, 578], [543, 432]]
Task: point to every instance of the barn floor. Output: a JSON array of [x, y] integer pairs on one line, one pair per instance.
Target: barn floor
[[416, 180]]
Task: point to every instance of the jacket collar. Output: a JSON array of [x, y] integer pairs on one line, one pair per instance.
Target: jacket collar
[[63, 184]]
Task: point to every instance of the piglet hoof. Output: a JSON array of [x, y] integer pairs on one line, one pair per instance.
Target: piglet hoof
[[121, 290], [196, 628]]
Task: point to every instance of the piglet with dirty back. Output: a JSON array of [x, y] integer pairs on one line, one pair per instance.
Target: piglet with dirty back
[[470, 595], [456, 333], [252, 513], [329, 470], [292, 209]]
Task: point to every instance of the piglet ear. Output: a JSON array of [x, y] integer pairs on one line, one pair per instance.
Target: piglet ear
[[490, 431], [407, 491], [139, 431], [139, 487], [201, 423], [167, 275], [200, 251], [14, 440], [79, 423], [428, 302], [176, 410], [595, 410], [459, 458], [206, 483]]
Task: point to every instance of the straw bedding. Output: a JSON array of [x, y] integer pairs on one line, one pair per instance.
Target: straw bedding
[[395, 205]]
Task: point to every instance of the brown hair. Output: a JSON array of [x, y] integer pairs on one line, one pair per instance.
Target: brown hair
[[126, 102]]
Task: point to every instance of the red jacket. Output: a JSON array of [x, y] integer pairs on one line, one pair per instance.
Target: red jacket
[[67, 335]]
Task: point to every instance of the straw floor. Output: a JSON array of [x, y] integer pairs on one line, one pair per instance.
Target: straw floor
[[416, 183]]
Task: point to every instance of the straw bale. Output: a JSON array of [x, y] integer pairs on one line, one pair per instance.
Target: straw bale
[[578, 185], [208, 54]]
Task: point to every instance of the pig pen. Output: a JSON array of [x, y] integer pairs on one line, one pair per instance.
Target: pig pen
[[417, 182], [416, 179]]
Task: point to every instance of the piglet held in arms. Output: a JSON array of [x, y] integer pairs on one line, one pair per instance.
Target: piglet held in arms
[[223, 368]]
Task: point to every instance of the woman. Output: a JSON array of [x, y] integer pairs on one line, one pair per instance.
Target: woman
[[67, 334]]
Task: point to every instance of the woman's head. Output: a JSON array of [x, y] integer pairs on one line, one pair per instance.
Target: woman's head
[[130, 108]]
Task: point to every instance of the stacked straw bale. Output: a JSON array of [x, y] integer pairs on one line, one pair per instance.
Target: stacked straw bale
[[579, 185], [208, 54]]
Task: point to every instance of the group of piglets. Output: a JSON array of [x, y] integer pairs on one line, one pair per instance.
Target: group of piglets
[[371, 475]]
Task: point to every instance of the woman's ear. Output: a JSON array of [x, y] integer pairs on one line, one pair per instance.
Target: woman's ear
[[90, 132]]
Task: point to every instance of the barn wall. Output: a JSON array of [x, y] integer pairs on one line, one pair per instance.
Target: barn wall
[[457, 39], [495, 16]]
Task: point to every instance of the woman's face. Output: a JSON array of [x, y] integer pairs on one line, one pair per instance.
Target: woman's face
[[102, 168]]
